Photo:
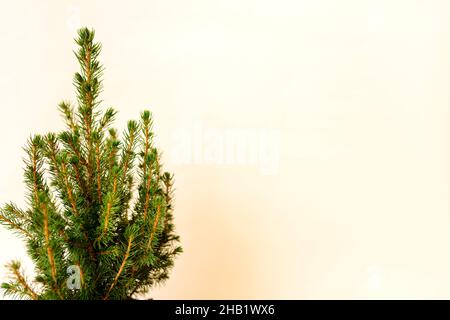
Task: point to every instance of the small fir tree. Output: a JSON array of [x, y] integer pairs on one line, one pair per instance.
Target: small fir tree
[[99, 218]]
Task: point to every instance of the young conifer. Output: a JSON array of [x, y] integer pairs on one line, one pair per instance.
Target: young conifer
[[99, 221]]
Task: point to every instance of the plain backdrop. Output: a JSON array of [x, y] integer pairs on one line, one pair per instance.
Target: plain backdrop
[[309, 138]]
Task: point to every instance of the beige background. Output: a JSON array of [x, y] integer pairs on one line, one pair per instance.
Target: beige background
[[342, 188]]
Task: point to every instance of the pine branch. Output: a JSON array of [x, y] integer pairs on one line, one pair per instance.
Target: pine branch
[[122, 266], [71, 141], [13, 218], [147, 191], [107, 119], [128, 155], [32, 175], [18, 285], [153, 231], [97, 139], [13, 225], [67, 111], [51, 258], [69, 191]]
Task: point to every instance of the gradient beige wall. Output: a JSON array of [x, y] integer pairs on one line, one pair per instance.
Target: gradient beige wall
[[309, 139]]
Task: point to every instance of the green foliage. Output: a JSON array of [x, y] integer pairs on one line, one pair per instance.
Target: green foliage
[[96, 201]]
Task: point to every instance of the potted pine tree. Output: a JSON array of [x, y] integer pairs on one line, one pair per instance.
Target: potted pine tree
[[99, 222]]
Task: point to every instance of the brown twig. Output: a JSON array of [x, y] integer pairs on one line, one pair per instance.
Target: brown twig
[[15, 225], [51, 259], [120, 269], [155, 224], [24, 283]]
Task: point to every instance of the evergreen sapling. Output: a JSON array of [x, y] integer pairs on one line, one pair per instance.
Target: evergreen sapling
[[99, 222]]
